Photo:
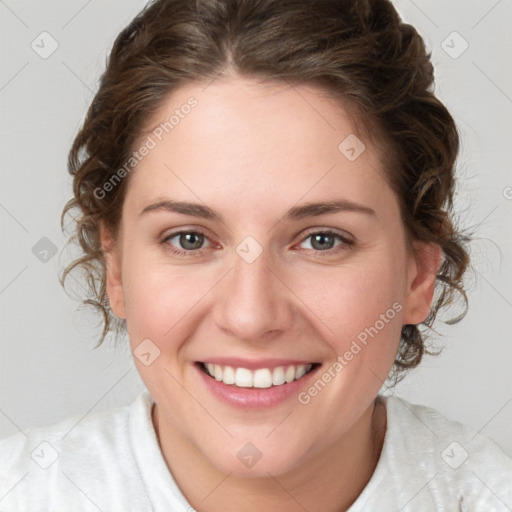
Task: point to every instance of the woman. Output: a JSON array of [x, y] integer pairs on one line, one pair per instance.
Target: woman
[[265, 192]]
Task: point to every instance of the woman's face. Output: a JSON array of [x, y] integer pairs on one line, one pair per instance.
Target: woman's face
[[260, 239]]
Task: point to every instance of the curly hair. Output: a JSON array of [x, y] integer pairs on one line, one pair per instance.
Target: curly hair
[[358, 51]]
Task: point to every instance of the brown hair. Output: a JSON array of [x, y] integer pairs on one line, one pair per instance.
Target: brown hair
[[356, 50]]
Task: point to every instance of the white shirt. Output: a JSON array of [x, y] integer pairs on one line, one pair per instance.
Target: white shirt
[[111, 461]]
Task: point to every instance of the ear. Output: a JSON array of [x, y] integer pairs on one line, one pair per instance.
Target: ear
[[424, 263], [112, 254]]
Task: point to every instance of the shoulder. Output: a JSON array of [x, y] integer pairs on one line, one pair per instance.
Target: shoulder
[[70, 463], [415, 422], [82, 433], [455, 463]]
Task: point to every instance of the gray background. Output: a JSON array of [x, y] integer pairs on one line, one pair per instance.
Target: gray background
[[49, 369]]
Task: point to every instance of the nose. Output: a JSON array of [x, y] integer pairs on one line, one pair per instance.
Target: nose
[[253, 303]]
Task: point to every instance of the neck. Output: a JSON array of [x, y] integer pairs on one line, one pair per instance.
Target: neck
[[330, 481]]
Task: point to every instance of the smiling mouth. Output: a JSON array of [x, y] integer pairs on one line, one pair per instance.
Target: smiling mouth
[[261, 378]]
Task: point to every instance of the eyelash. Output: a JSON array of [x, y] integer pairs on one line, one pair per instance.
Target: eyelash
[[343, 246]]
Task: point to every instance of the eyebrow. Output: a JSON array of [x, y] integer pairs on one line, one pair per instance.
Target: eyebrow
[[312, 209]]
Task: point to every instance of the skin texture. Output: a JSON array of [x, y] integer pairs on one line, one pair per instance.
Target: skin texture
[[250, 151]]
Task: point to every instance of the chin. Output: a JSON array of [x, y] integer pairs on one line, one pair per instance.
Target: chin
[[258, 459]]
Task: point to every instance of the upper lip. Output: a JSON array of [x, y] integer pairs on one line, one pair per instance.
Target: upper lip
[[255, 364]]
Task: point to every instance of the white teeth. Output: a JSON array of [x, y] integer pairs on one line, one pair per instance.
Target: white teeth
[[261, 378], [289, 374], [229, 375], [278, 376], [243, 378], [301, 371]]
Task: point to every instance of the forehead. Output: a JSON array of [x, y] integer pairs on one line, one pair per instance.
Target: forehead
[[256, 141]]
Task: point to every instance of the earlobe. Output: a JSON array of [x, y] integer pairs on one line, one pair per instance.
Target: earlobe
[[114, 282], [425, 264]]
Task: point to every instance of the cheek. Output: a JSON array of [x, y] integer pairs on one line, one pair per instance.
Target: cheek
[[155, 300], [160, 299], [359, 316], [358, 311], [350, 298]]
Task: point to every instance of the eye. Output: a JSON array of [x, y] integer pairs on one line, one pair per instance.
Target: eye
[[186, 242], [191, 243], [325, 241]]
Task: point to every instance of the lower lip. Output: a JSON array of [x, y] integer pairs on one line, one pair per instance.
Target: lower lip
[[255, 397]]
